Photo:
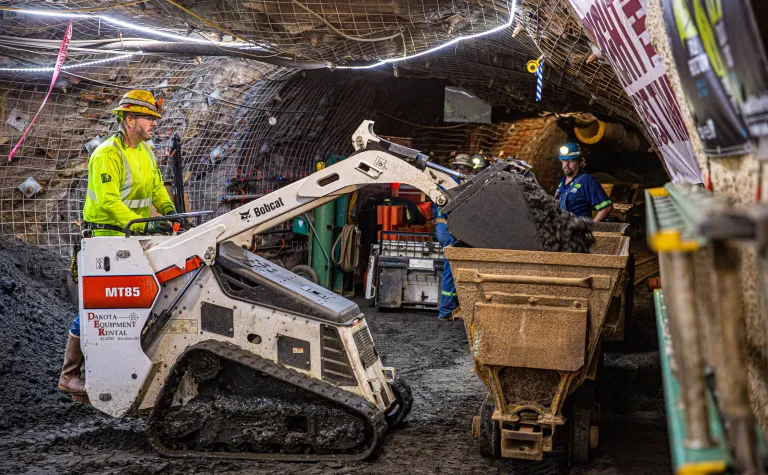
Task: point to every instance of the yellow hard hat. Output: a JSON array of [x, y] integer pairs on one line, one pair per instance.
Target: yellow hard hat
[[139, 101]]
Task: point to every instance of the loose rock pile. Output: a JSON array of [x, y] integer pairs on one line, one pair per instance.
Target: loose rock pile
[[559, 230], [36, 315]]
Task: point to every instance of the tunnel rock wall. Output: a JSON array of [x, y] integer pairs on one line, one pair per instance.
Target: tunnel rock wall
[[737, 178], [235, 117], [54, 152], [537, 141]]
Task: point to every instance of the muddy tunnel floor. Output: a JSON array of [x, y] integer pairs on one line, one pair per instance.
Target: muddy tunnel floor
[[46, 434]]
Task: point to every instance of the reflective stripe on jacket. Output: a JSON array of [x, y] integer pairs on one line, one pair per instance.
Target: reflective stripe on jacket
[[123, 184]]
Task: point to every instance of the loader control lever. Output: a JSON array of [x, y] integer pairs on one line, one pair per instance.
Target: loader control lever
[[172, 218]]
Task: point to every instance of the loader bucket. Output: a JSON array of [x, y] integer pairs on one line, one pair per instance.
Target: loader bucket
[[502, 208], [533, 321]]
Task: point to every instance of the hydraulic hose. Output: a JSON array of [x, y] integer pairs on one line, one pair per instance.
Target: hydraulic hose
[[447, 171], [349, 255]]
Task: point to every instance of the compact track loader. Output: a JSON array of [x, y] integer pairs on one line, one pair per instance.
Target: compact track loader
[[231, 355]]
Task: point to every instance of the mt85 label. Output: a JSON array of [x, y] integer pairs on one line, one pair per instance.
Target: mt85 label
[[119, 291]]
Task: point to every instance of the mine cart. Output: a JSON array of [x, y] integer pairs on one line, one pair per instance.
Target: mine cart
[[534, 323]]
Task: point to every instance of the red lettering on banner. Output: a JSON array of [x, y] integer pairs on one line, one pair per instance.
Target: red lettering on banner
[[618, 26]]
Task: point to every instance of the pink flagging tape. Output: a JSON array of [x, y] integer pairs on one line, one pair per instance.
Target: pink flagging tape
[[59, 63]]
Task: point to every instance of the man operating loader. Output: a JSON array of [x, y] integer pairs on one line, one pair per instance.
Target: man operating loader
[[448, 299], [123, 184]]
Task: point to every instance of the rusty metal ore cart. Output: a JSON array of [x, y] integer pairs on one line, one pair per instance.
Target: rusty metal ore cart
[[534, 322]]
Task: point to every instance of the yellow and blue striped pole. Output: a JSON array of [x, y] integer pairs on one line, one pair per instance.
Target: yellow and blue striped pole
[[539, 80]]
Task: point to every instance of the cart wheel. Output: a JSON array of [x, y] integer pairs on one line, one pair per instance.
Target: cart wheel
[[489, 437], [578, 448], [307, 272], [580, 417]]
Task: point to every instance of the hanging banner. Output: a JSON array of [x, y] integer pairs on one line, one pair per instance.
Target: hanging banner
[[749, 71], [702, 53], [618, 26]]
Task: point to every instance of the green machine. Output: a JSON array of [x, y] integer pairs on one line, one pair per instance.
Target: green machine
[[700, 321]]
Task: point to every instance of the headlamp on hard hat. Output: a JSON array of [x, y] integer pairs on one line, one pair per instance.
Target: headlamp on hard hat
[[478, 161], [570, 151]]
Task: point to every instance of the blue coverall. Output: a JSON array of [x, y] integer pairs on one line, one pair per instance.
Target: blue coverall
[[74, 330], [582, 195], [448, 299]]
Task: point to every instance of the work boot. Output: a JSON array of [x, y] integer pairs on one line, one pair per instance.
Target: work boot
[[70, 380]]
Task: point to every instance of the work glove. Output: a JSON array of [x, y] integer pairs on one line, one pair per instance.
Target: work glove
[[159, 227], [186, 223]]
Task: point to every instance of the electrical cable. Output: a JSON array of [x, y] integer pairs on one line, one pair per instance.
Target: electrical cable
[[84, 10], [58, 42], [436, 127], [201, 49], [240, 52], [217, 45], [510, 22], [207, 22], [54, 53], [166, 10], [177, 86], [339, 32], [114, 21], [69, 66]]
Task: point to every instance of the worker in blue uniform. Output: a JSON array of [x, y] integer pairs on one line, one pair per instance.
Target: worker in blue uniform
[[448, 299], [578, 191]]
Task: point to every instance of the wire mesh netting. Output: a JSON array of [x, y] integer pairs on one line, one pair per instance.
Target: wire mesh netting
[[250, 126], [348, 33], [247, 128], [328, 31]]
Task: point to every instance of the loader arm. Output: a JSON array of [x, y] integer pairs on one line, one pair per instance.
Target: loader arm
[[374, 161]]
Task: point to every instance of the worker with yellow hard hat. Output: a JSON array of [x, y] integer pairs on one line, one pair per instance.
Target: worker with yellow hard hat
[[123, 184], [123, 178]]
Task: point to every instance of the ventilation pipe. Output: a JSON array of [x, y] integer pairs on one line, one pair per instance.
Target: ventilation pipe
[[611, 133]]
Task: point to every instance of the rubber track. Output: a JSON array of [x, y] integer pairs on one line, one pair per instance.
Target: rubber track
[[351, 402]]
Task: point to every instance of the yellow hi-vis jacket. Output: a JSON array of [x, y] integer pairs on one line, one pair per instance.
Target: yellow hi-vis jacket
[[123, 183]]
